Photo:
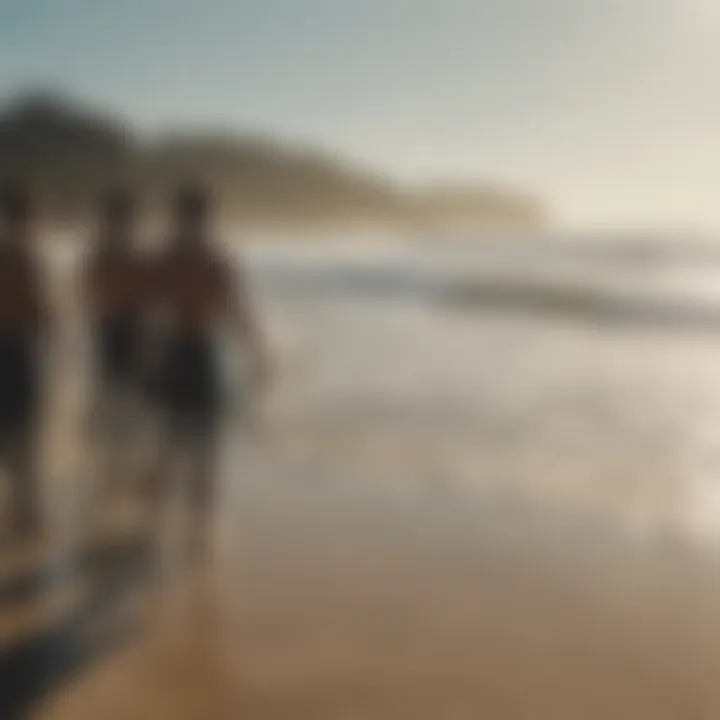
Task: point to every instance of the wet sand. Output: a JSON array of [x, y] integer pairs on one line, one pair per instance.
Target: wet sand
[[443, 515]]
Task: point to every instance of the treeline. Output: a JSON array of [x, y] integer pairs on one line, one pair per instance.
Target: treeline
[[68, 154]]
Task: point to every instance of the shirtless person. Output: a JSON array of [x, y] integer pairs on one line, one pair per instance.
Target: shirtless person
[[113, 282], [196, 293], [23, 322]]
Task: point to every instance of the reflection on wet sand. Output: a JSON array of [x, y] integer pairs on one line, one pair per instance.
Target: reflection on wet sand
[[316, 607], [444, 516], [53, 653]]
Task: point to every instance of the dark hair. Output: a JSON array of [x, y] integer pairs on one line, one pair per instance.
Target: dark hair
[[118, 205], [15, 203], [191, 202]]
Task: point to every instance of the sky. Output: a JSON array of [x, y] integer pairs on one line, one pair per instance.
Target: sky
[[609, 108]]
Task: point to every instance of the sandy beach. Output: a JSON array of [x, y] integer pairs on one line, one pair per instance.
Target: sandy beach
[[442, 514]]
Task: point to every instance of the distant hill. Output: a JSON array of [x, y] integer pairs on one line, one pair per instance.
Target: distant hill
[[70, 153]]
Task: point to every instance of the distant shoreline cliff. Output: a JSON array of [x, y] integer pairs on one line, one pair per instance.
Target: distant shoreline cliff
[[69, 154]]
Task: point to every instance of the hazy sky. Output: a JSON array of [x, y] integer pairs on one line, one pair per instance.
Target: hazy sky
[[611, 107]]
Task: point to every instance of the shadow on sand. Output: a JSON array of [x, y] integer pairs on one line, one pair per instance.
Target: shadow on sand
[[33, 667]]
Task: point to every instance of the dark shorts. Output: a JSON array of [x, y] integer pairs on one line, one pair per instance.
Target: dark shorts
[[190, 395], [116, 339], [19, 386]]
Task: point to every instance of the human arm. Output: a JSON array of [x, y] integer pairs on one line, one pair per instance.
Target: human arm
[[247, 325]]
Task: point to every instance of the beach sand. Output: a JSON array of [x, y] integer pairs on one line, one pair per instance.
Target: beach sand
[[441, 516]]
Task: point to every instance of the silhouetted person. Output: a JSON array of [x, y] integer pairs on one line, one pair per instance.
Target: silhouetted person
[[23, 321], [197, 292], [114, 284]]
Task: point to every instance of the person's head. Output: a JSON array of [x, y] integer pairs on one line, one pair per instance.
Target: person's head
[[118, 210], [15, 210], [191, 209]]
